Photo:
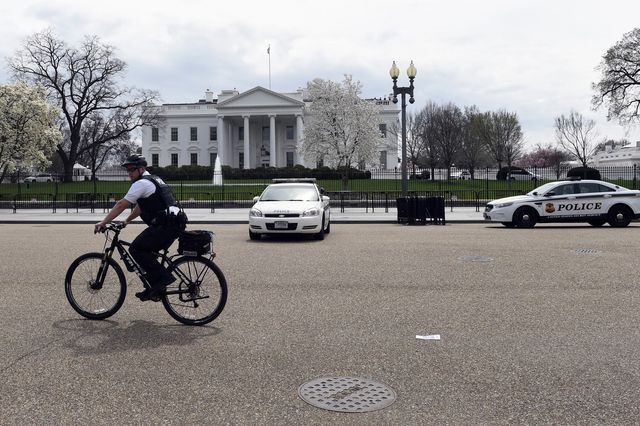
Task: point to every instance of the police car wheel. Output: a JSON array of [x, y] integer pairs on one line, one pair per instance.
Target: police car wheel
[[525, 217], [619, 216]]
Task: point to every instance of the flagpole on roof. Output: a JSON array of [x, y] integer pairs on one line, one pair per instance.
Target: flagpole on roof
[[269, 54]]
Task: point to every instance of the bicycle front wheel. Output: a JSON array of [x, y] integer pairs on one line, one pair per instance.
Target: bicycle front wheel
[[93, 290], [199, 294]]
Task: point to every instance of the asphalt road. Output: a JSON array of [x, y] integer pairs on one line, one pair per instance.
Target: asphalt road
[[537, 326]]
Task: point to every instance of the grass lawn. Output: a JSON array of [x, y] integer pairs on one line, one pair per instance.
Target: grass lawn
[[246, 189]]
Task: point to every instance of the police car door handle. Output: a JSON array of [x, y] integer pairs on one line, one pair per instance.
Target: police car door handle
[[571, 198], [607, 196]]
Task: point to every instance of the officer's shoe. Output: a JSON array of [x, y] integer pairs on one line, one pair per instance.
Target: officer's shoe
[[149, 294]]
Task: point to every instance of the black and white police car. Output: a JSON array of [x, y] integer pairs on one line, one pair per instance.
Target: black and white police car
[[290, 206], [592, 201]]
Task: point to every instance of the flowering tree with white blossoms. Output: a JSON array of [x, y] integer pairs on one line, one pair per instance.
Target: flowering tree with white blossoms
[[27, 133], [343, 129]]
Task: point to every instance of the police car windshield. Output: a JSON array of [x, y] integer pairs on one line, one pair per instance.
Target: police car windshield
[[541, 190], [290, 193]]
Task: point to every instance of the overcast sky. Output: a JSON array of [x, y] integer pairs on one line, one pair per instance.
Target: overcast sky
[[536, 58]]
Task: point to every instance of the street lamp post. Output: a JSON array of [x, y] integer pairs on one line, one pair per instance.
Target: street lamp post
[[394, 72]]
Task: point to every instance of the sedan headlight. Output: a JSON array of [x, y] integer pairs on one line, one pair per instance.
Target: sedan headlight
[[311, 212], [499, 206], [255, 213]]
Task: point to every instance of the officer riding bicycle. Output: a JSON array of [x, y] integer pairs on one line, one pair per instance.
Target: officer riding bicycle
[[155, 204]]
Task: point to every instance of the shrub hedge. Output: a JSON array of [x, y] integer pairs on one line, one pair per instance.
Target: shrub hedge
[[267, 173]]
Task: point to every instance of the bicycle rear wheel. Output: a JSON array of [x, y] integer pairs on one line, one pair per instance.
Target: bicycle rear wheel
[[199, 294], [89, 297]]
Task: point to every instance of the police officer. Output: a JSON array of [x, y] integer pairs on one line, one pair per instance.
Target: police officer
[[157, 207]]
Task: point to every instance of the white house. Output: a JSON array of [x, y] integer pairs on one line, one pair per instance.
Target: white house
[[251, 129], [627, 155]]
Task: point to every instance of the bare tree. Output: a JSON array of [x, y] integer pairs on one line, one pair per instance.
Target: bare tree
[[483, 127], [576, 135], [113, 140], [448, 130], [83, 82], [472, 151], [619, 85], [510, 131], [426, 134], [501, 133]]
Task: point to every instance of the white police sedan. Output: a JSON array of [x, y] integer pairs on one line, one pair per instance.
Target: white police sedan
[[290, 206], [592, 201]]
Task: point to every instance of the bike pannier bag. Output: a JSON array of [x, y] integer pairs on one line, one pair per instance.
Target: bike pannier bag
[[195, 243]]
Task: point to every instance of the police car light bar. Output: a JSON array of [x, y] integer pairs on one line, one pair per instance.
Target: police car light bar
[[294, 180]]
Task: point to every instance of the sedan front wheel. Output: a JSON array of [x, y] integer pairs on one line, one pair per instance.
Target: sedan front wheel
[[525, 217]]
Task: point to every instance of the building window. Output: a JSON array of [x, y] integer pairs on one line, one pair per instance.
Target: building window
[[289, 133], [265, 134], [155, 135], [194, 159], [213, 133], [383, 159], [212, 158], [194, 134], [241, 160], [174, 160], [174, 134], [241, 133], [155, 160], [289, 158], [383, 130]]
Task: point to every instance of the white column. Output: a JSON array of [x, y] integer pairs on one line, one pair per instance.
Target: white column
[[247, 144], [300, 135], [221, 140], [272, 141]]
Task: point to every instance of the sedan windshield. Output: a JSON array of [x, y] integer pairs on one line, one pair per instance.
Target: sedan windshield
[[289, 193], [541, 190]]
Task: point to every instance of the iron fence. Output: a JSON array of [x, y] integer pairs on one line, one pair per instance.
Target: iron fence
[[380, 191]]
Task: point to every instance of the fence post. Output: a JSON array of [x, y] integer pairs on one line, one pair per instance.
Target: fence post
[[486, 181]]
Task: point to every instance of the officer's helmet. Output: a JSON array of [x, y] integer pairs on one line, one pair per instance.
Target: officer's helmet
[[135, 160]]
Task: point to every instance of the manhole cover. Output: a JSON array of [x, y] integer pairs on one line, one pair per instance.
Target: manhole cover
[[347, 394], [586, 250], [476, 259]]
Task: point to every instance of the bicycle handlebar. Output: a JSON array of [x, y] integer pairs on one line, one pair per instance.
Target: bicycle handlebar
[[112, 226], [116, 226]]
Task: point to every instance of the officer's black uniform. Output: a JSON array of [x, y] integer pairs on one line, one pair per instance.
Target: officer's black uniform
[[164, 227]]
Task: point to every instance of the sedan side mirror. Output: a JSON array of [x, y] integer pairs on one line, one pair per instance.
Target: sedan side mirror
[[550, 194], [255, 199]]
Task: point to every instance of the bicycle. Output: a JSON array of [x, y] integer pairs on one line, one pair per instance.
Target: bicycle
[[95, 284]]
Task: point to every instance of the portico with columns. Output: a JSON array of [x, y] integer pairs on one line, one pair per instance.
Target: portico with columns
[[260, 128]]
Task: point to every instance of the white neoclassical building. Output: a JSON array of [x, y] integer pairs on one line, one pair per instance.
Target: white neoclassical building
[[256, 128], [615, 156]]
